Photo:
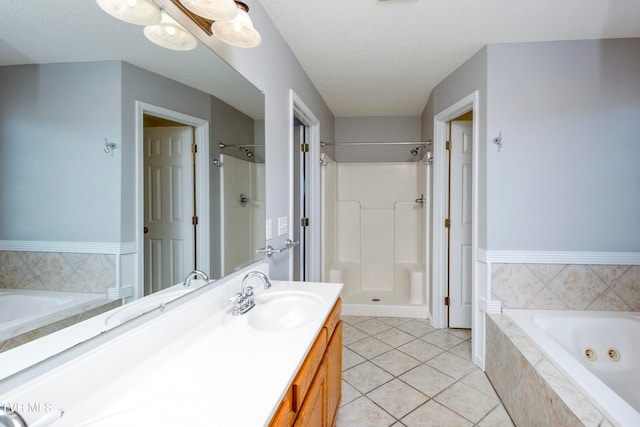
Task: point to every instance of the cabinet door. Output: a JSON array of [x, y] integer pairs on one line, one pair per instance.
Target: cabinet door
[[284, 415], [334, 374], [313, 411]]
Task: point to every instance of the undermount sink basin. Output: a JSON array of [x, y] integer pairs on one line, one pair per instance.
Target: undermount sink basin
[[141, 306], [282, 310], [170, 414]]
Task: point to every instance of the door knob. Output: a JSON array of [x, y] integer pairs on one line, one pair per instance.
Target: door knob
[[146, 230]]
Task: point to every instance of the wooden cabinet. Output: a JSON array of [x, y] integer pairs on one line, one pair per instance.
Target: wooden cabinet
[[314, 396]]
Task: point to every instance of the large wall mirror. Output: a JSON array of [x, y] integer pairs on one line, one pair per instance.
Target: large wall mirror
[[88, 105]]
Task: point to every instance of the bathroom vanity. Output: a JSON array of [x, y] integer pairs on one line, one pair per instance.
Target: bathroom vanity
[[196, 364]]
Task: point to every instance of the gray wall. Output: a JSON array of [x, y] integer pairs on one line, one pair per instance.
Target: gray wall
[[272, 68], [53, 122], [376, 129], [141, 85], [568, 175], [469, 77]]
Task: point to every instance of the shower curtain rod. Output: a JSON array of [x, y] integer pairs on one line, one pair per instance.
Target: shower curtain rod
[[417, 143], [221, 145]]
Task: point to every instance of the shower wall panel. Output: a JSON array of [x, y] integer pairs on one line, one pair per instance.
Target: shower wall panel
[[379, 225]]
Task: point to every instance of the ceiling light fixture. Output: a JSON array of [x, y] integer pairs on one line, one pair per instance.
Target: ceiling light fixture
[[138, 12], [218, 10], [170, 34], [239, 31]]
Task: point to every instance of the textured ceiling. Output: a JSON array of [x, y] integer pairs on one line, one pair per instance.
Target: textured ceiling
[[383, 58]]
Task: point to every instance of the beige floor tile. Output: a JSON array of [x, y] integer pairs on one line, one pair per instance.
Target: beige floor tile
[[463, 350], [466, 401], [394, 337], [392, 366], [394, 321], [395, 362], [479, 381], [366, 376], [349, 394], [442, 339], [370, 347], [353, 320], [397, 398], [420, 350], [372, 326], [433, 414], [416, 327], [465, 334], [452, 365], [350, 358], [427, 380], [363, 413], [496, 418], [351, 335]]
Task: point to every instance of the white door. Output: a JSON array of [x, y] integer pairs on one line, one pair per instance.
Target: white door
[[460, 250], [169, 240]]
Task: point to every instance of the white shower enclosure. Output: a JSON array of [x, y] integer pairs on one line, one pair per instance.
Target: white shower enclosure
[[375, 235], [242, 212]]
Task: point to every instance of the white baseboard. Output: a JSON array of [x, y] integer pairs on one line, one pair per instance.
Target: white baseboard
[[558, 257]]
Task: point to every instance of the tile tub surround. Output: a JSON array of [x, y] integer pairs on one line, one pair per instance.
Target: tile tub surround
[[57, 271], [533, 391], [567, 287], [56, 326]]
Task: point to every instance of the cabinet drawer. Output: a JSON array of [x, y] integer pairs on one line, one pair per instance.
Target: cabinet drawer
[[333, 318], [308, 370]]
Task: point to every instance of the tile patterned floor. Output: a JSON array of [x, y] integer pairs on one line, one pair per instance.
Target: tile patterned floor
[[401, 372]]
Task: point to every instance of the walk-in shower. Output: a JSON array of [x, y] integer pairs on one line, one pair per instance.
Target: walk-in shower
[[375, 230]]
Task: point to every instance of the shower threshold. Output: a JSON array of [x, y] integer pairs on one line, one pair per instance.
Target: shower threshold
[[381, 303]]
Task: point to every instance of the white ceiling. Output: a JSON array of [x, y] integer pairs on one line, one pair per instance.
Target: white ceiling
[[383, 57]]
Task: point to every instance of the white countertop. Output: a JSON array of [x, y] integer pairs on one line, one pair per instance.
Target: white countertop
[[191, 360]]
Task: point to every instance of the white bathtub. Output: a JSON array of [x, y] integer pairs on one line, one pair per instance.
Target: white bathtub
[[23, 311], [599, 352]]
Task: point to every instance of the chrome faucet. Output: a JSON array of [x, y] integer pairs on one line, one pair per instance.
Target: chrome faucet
[[195, 273], [243, 301], [10, 418]]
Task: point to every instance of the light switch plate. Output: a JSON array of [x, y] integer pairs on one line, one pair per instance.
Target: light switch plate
[[283, 225], [268, 229]]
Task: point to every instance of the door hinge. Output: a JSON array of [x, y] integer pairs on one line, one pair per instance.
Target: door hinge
[[304, 148], [447, 223], [304, 222], [447, 146], [194, 220], [194, 148], [446, 301]]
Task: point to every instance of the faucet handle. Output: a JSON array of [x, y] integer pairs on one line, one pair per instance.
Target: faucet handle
[[234, 299]]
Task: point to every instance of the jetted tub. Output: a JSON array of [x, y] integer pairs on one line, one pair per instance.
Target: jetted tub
[[23, 311], [599, 352]]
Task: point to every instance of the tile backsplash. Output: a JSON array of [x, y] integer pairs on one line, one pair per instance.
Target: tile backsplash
[[56, 271], [567, 287]]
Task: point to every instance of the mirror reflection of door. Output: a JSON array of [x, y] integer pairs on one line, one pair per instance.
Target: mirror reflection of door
[[460, 214], [301, 202], [169, 204]]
